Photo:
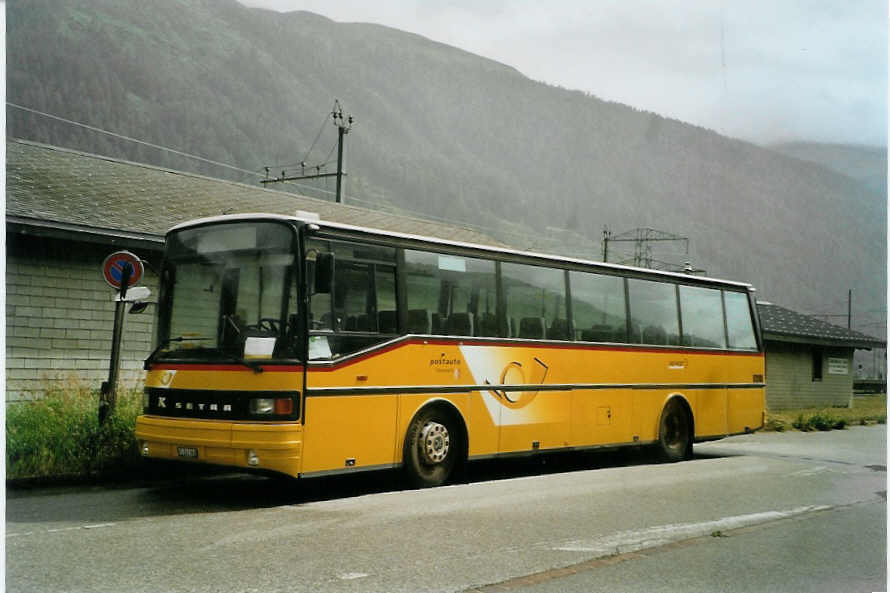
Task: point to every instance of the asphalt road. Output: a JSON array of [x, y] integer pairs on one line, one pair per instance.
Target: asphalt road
[[764, 512]]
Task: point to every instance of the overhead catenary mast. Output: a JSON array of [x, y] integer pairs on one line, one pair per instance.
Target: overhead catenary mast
[[344, 124]]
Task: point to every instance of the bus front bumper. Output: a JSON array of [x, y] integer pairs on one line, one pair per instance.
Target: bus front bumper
[[256, 445]]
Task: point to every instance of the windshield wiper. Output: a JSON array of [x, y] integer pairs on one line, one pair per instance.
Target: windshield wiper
[[163, 343], [251, 364]]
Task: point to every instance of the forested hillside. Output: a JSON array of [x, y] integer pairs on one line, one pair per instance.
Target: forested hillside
[[438, 131], [867, 164]]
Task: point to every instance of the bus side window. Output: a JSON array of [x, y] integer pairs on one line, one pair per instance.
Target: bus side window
[[653, 311], [702, 313], [362, 299], [598, 307], [458, 294], [739, 325], [536, 299]]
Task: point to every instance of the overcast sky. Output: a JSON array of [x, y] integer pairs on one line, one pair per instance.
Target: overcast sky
[[766, 71]]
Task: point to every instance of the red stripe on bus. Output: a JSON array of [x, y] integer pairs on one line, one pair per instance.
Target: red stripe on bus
[[278, 368], [322, 367]]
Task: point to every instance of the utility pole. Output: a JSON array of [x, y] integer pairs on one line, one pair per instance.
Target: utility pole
[[850, 309], [343, 127], [607, 234], [344, 124]]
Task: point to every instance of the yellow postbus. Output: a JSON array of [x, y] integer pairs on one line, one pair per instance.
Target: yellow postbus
[[312, 348]]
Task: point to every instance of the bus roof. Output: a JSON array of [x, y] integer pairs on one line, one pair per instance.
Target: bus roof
[[311, 218]]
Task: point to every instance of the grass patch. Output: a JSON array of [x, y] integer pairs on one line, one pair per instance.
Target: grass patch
[[867, 409], [59, 435]]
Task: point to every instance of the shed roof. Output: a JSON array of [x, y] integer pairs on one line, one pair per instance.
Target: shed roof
[[784, 325], [57, 190]]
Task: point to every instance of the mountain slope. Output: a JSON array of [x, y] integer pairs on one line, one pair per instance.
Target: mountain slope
[[866, 164], [439, 131]]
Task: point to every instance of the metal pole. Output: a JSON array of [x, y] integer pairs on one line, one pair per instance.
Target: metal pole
[[850, 309], [109, 388], [340, 132], [606, 243]]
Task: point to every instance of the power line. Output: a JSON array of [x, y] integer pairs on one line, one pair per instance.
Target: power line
[[258, 173], [130, 139], [324, 120]]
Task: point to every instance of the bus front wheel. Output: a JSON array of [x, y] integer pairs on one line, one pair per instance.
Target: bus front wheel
[[675, 433], [431, 448]]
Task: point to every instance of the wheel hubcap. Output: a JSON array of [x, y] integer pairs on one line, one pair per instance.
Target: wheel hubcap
[[434, 442]]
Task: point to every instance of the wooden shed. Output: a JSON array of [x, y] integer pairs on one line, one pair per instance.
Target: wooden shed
[[809, 362]]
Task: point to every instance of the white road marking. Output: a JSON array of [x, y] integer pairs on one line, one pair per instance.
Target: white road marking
[[60, 529], [349, 576], [650, 537], [19, 534], [810, 471], [75, 528]]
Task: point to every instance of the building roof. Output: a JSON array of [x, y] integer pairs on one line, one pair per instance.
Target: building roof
[[63, 192], [784, 325]]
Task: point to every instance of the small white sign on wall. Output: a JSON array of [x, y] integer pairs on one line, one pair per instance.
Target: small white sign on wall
[[838, 366]]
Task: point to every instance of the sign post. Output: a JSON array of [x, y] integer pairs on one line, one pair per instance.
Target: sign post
[[121, 270]]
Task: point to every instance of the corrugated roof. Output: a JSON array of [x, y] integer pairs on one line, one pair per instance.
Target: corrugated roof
[[76, 190], [781, 324]]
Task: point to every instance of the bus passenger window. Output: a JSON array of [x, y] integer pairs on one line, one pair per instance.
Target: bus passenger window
[[653, 312], [739, 325], [458, 293], [362, 301], [536, 301], [701, 310], [598, 308]]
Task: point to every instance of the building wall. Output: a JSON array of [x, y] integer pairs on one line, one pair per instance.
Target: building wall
[[789, 377], [60, 315]]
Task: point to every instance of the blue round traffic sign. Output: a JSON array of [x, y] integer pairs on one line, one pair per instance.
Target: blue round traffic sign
[[114, 265]]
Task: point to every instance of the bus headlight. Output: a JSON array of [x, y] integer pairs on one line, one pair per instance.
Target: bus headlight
[[269, 406], [262, 405]]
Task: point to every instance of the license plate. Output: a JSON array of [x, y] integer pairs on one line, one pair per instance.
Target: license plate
[[187, 452]]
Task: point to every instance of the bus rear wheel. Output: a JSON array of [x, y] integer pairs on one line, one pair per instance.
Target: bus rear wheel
[[431, 449], [675, 433]]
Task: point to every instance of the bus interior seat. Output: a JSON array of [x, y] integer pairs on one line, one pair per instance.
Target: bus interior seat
[[620, 334], [419, 321], [363, 323], [532, 327], [459, 324], [558, 330], [488, 325], [654, 334], [598, 333], [387, 322]]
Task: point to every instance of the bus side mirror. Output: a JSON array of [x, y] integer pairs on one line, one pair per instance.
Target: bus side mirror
[[324, 273]]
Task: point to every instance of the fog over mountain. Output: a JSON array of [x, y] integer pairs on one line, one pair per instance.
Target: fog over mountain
[[442, 132]]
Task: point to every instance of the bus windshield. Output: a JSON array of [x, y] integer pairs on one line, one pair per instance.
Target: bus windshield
[[229, 292]]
